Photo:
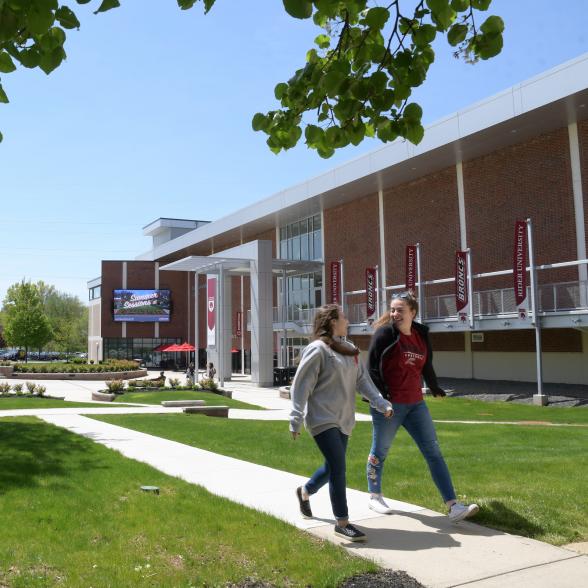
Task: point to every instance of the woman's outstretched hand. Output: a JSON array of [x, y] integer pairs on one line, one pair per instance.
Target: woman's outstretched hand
[[389, 414]]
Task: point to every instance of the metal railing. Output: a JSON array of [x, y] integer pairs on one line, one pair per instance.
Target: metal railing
[[559, 297]]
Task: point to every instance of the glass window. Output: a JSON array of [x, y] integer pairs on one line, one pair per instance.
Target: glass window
[[296, 248], [304, 246], [317, 249], [316, 222], [295, 229], [283, 249]]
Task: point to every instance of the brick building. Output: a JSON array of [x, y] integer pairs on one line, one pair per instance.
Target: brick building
[[522, 154]]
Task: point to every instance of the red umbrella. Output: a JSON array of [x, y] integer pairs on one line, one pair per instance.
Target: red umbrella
[[172, 347], [161, 347], [185, 347]]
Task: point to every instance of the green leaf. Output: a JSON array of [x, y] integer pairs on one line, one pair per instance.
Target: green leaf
[[424, 35], [414, 132], [488, 46], [481, 4], [67, 18], [3, 96], [9, 24], [40, 18], [492, 25], [441, 13], [280, 90], [377, 17], [51, 60], [313, 134], [83, 1], [6, 64], [1, 137], [323, 41], [260, 122], [457, 34], [333, 81], [298, 8], [107, 5], [413, 112], [29, 57], [460, 5]]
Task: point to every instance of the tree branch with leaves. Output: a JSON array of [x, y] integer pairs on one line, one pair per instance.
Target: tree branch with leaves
[[357, 82]]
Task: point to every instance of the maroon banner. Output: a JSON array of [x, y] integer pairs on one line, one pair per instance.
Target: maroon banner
[[370, 290], [238, 326], [335, 282], [211, 311], [520, 262], [461, 280], [410, 267]]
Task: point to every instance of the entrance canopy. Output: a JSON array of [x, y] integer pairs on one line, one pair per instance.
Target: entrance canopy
[[213, 264]]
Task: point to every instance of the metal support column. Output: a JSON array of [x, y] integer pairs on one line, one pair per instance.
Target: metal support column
[[539, 398]]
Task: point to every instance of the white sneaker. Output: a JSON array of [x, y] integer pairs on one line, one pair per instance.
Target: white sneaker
[[378, 504], [459, 511]]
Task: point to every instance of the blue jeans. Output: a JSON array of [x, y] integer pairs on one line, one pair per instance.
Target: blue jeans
[[333, 445], [416, 419]]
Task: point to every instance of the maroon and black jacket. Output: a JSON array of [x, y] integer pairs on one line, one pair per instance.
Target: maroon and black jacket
[[383, 341]]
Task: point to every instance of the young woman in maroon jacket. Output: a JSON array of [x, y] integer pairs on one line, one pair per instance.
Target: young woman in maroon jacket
[[400, 356]]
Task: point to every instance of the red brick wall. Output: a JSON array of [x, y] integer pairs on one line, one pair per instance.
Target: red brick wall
[[583, 140], [141, 275], [528, 180], [351, 233], [424, 211]]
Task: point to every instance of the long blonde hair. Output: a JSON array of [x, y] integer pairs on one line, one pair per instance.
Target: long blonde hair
[[323, 329], [410, 300]]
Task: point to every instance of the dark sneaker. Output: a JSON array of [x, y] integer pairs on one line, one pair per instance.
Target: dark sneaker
[[305, 510], [350, 533]]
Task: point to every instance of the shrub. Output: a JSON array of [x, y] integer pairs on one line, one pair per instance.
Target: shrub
[[4, 388], [209, 384], [41, 390], [31, 387], [115, 386], [174, 382], [17, 389]]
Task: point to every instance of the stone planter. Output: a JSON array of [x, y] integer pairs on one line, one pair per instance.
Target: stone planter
[[103, 396], [6, 370], [95, 377]]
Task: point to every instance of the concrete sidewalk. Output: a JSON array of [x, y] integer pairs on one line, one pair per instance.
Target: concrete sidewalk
[[413, 539], [416, 540]]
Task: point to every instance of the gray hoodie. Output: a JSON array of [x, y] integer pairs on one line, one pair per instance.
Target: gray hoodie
[[325, 385]]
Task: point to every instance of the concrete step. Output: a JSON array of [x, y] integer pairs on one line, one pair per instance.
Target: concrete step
[[216, 411], [183, 403]]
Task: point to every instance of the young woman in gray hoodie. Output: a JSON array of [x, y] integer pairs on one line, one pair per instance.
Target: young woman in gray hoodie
[[323, 397]]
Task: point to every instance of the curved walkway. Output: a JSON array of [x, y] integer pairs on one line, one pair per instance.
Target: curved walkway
[[414, 539]]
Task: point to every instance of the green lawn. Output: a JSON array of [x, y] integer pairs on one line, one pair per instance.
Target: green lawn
[[73, 515], [464, 409], [529, 480], [34, 402], [210, 398]]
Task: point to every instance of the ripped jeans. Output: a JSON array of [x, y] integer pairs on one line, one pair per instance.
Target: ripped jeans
[[416, 419]]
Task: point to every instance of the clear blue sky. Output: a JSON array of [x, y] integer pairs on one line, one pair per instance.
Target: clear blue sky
[[150, 116]]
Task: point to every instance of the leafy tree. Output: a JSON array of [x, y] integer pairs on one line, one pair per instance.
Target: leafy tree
[[68, 317], [27, 324], [356, 82]]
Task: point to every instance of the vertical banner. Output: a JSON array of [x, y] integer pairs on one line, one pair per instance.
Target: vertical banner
[[335, 282], [520, 269], [410, 267], [211, 311], [461, 285], [370, 291], [238, 326]]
